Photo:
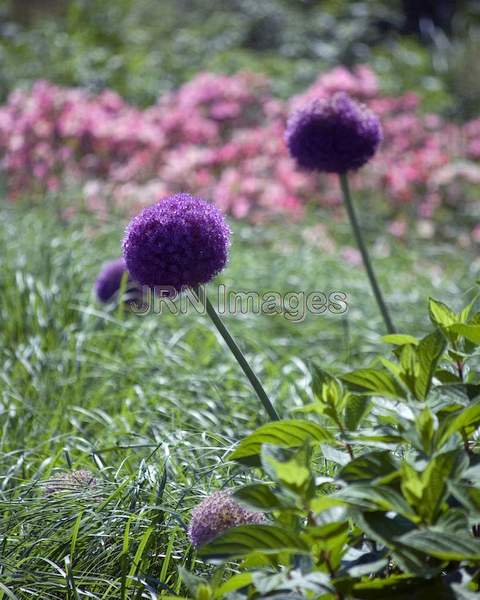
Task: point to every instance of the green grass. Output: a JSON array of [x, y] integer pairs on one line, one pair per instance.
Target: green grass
[[152, 404]]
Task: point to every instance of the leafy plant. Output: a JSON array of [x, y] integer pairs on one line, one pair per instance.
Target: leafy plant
[[377, 494]]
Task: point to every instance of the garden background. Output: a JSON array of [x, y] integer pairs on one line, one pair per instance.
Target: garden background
[[107, 107]]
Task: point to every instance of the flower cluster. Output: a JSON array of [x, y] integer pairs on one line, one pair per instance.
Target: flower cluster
[[74, 481], [181, 241], [216, 514], [221, 137], [334, 135]]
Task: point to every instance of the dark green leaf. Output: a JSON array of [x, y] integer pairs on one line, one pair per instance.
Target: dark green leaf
[[368, 467], [240, 541], [356, 409], [445, 545], [258, 496]]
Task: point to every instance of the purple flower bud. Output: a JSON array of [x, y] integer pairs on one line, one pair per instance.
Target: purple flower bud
[[109, 280], [335, 135], [181, 241], [216, 514]]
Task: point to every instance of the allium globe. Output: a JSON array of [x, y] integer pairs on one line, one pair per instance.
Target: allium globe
[[180, 242], [109, 280], [216, 514], [73, 481], [334, 135]]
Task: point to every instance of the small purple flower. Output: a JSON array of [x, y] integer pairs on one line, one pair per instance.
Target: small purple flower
[[335, 135], [181, 241], [108, 281], [216, 514]]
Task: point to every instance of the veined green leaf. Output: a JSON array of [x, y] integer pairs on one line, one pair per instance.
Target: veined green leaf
[[368, 467], [284, 434], [444, 545], [429, 351], [440, 314], [373, 382], [464, 419], [241, 541]]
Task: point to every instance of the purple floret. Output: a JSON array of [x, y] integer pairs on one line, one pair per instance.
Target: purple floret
[[109, 280], [216, 514], [335, 135], [180, 242]]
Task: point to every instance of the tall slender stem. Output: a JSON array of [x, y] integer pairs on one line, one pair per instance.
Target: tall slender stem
[[238, 354], [363, 251]]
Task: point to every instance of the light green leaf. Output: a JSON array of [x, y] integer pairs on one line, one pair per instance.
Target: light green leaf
[[284, 434], [471, 332], [397, 339], [234, 583], [440, 314], [462, 420], [374, 382], [429, 351]]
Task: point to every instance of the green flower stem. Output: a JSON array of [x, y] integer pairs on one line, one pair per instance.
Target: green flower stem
[[238, 354], [363, 251]]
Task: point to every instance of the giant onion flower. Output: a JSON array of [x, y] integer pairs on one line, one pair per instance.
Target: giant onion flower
[[216, 514], [333, 135], [182, 241]]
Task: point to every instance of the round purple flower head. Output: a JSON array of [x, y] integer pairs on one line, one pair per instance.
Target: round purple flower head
[[181, 241], [335, 135], [216, 514], [109, 280]]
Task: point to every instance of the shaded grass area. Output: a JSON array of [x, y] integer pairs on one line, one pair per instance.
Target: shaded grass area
[[152, 404]]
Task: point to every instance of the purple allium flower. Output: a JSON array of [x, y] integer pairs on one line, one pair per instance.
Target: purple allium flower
[[334, 135], [108, 281], [181, 241], [73, 481], [217, 513]]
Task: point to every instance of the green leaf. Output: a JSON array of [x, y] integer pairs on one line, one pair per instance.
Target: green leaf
[[355, 410], [425, 426], [375, 382], [374, 498], [233, 584], [238, 542], [464, 419], [284, 434], [319, 378], [385, 529], [402, 587], [444, 545], [426, 491], [258, 496], [440, 314], [397, 339], [368, 467], [471, 332], [429, 351]]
